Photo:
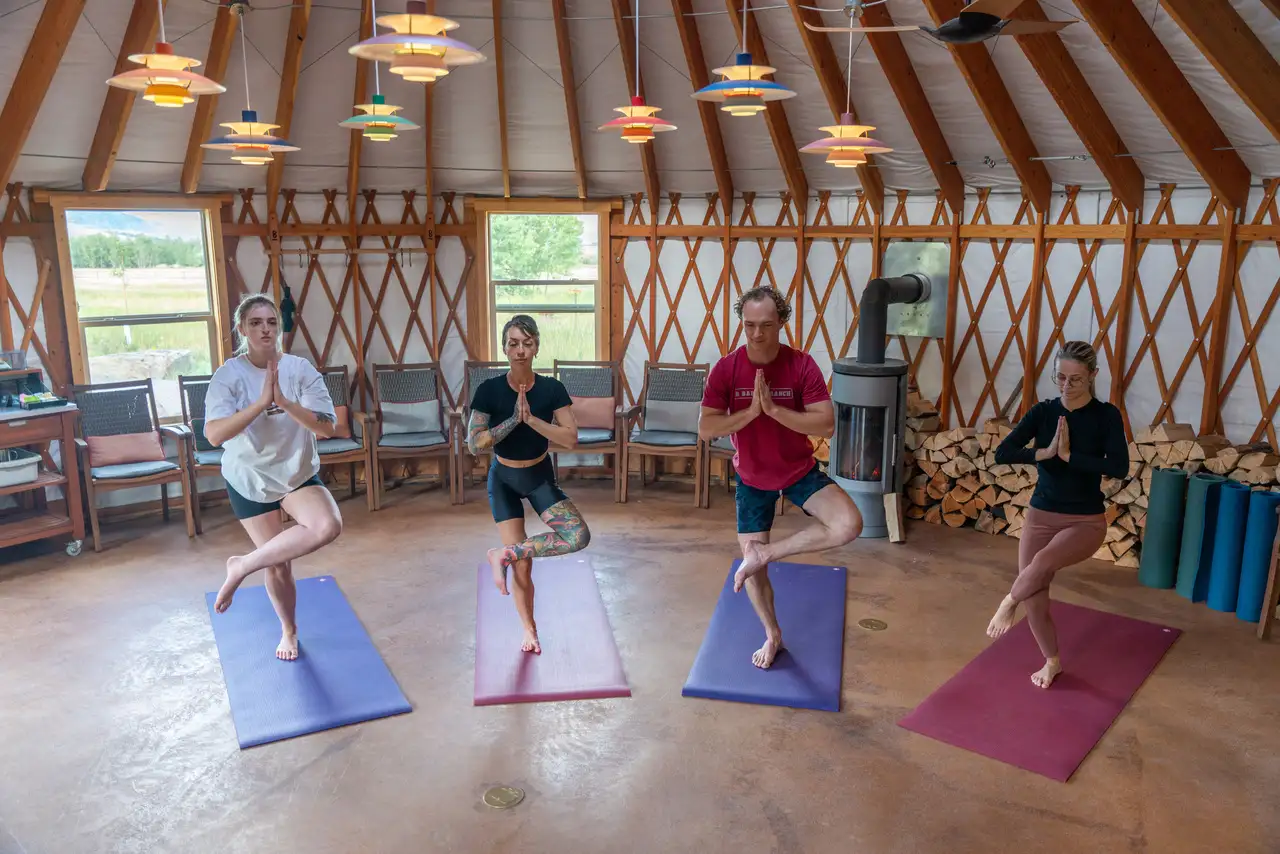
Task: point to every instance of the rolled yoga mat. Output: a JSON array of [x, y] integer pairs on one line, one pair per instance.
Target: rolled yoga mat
[[1197, 535], [1255, 562], [1228, 545], [1162, 536]]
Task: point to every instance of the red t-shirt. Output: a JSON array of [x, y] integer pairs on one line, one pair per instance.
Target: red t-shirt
[[769, 455]]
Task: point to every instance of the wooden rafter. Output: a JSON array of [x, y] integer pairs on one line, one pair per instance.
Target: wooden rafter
[[289, 72], [356, 144], [44, 52], [697, 65], [224, 31], [1273, 5], [1240, 57], [570, 96], [626, 42], [1062, 77], [823, 57], [116, 109], [993, 97], [775, 118], [1125, 32], [502, 98], [897, 66]]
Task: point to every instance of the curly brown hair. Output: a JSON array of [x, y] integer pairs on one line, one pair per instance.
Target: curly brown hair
[[761, 294]]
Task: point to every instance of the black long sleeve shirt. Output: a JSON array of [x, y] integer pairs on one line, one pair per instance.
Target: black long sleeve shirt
[[1097, 444]]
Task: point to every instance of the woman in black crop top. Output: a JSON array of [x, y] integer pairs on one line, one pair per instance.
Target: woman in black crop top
[[516, 417], [1077, 439]]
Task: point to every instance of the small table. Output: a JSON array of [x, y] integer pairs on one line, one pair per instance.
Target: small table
[[37, 428]]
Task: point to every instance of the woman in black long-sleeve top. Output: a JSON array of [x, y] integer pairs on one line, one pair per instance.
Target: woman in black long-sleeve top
[[1076, 439]]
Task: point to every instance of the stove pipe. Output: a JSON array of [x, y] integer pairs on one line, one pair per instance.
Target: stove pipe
[[874, 308]]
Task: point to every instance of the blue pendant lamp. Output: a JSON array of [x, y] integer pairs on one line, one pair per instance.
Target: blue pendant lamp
[[743, 91]]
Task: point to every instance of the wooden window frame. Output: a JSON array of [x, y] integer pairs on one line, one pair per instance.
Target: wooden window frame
[[220, 343], [481, 308]]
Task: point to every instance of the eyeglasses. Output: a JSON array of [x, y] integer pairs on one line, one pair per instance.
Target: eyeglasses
[[1071, 382]]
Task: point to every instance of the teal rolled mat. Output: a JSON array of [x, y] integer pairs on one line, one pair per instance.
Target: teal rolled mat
[[1196, 555], [1228, 545], [1162, 537], [1255, 562]]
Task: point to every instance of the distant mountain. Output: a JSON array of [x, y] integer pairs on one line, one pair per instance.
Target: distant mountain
[[95, 222]]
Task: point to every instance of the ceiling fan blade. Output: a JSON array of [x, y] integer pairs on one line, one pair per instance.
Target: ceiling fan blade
[[1031, 28], [1001, 9], [860, 29]]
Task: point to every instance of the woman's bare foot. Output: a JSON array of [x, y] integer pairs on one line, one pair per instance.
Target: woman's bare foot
[[1003, 620], [752, 562], [288, 648], [496, 557], [531, 642], [764, 656], [1044, 677], [235, 574]]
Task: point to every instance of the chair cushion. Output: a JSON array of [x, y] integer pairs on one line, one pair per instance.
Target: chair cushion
[[342, 420], [209, 458], [592, 436], [413, 440], [338, 446], [128, 470], [595, 413], [124, 448], [664, 438], [724, 443]]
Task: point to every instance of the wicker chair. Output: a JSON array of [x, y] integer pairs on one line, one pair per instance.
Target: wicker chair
[[204, 458], [409, 421], [596, 390], [351, 443], [669, 408], [121, 446], [473, 373]]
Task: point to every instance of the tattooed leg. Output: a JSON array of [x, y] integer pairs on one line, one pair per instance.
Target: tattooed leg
[[569, 533]]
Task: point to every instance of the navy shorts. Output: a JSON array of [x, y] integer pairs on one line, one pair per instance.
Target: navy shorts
[[756, 506], [508, 486], [243, 508]]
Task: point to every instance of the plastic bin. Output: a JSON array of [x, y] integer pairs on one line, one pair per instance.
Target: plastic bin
[[18, 466]]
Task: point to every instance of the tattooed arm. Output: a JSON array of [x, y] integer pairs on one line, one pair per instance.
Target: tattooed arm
[[481, 437]]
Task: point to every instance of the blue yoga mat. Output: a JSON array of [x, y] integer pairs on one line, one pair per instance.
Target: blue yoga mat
[[806, 674], [1255, 563], [1228, 545], [339, 677], [1162, 538], [1197, 535]]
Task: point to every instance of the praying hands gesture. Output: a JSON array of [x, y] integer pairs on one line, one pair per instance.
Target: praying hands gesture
[[523, 415], [1060, 446], [762, 398]]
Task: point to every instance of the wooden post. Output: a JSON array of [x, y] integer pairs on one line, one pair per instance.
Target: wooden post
[[1211, 413], [1128, 275], [949, 340], [1033, 320], [1272, 599]]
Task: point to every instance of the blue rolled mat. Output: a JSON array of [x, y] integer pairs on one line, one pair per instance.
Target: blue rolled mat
[[1228, 545], [1255, 563], [1197, 535], [1162, 537]]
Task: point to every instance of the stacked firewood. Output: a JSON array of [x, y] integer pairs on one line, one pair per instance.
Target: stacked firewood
[[953, 478]]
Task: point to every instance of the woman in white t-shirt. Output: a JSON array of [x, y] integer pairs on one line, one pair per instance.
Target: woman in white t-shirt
[[265, 409]]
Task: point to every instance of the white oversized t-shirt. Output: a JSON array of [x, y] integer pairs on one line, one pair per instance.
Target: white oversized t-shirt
[[275, 454]]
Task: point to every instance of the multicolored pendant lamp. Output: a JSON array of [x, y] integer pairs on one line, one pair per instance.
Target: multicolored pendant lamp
[[639, 121], [379, 121], [417, 50], [743, 91], [250, 141], [164, 79], [847, 146]]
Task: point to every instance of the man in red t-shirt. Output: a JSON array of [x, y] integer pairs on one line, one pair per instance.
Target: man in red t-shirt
[[771, 399]]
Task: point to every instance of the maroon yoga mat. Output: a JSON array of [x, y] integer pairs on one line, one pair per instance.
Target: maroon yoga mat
[[991, 706], [579, 659]]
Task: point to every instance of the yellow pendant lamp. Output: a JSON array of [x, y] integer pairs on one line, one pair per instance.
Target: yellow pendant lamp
[[165, 78]]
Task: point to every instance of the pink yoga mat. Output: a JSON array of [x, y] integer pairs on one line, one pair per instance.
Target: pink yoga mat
[[579, 659], [992, 708]]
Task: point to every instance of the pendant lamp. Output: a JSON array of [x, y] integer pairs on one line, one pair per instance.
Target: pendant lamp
[[164, 79], [639, 121], [418, 50], [743, 91], [847, 146], [379, 121], [250, 141]]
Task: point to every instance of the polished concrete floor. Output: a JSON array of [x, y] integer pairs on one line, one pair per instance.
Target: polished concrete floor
[[116, 736]]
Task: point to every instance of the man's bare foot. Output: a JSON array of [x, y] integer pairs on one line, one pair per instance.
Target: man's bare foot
[[288, 648], [235, 574], [1044, 677], [531, 642], [764, 656], [495, 557], [1003, 620], [752, 562]]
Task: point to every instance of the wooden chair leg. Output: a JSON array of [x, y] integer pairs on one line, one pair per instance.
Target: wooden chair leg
[[187, 492], [1272, 599], [194, 477], [164, 500], [374, 478], [92, 496]]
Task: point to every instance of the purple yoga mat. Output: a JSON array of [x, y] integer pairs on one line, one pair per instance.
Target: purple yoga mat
[[991, 706], [579, 659]]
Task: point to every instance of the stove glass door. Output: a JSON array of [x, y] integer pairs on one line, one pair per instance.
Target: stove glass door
[[859, 442]]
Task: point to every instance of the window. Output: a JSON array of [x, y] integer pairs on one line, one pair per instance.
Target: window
[[547, 266], [141, 296]]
